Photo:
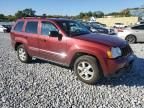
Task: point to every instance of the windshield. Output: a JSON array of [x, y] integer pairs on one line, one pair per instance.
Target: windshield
[[73, 28]]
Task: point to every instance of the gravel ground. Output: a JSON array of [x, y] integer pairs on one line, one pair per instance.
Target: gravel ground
[[41, 84]]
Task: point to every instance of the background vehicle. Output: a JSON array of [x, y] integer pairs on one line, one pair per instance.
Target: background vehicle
[[69, 43], [119, 25], [86, 24], [8, 28], [98, 28], [132, 34], [140, 22], [2, 28]]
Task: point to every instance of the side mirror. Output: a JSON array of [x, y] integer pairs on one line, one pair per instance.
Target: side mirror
[[55, 34]]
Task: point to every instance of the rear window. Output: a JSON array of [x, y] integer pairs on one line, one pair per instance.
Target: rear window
[[31, 27], [19, 26]]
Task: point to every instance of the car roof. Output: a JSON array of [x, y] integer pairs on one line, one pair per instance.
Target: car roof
[[50, 19]]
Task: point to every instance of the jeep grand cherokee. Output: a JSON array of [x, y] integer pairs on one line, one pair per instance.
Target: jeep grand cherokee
[[69, 43]]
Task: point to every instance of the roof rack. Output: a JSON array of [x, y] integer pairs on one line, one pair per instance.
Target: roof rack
[[32, 17]]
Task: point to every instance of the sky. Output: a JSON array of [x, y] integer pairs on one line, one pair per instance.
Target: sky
[[67, 7]]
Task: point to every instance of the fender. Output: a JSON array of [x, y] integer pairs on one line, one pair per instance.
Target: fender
[[97, 52], [21, 40]]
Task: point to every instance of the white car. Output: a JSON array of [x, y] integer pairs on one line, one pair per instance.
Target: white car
[[2, 29], [132, 34], [119, 25]]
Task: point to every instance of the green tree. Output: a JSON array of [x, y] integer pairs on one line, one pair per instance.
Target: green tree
[[125, 13], [2, 17], [114, 14], [94, 14], [11, 18], [44, 15], [29, 12], [25, 13], [19, 14], [81, 15], [89, 14], [98, 14]]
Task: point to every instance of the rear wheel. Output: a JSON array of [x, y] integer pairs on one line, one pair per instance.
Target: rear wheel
[[23, 56], [87, 70], [131, 39]]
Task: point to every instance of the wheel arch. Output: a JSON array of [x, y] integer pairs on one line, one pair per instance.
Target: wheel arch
[[131, 35], [17, 44], [79, 54]]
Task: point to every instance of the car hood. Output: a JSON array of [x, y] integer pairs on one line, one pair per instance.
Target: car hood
[[108, 40]]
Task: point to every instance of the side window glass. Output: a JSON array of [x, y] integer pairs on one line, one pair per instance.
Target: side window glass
[[141, 27], [31, 27], [19, 26], [47, 27]]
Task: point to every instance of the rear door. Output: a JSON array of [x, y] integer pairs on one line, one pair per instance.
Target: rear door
[[17, 32], [31, 33], [51, 48], [139, 32]]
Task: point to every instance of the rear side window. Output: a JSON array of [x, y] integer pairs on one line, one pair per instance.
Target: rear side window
[[19, 26], [31, 27], [140, 27]]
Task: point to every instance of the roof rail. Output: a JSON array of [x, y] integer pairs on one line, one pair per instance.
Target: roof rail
[[32, 17]]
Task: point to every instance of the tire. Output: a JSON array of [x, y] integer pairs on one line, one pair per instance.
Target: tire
[[87, 70], [23, 56], [131, 39]]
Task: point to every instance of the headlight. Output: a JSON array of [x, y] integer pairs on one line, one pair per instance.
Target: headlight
[[114, 53]]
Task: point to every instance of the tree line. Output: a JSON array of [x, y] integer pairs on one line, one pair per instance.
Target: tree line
[[82, 15]]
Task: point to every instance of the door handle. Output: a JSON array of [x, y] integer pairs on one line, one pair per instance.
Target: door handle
[[43, 40], [26, 37]]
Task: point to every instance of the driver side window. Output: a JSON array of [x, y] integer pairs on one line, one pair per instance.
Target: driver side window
[[47, 27]]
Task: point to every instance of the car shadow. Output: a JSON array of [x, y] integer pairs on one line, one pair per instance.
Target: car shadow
[[49, 62], [133, 78]]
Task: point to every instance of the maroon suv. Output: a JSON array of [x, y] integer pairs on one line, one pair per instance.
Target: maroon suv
[[69, 43]]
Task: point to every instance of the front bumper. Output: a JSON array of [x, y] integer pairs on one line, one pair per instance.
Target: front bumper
[[119, 65]]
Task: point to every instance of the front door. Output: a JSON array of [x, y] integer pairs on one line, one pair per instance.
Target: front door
[[51, 47]]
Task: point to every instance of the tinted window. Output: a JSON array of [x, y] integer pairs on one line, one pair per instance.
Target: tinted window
[[141, 22], [140, 27], [47, 27], [19, 26], [31, 27]]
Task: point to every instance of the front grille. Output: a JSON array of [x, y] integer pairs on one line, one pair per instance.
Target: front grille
[[126, 50]]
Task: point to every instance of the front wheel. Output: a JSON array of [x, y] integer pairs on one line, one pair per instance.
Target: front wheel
[[23, 56], [87, 70], [131, 39]]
